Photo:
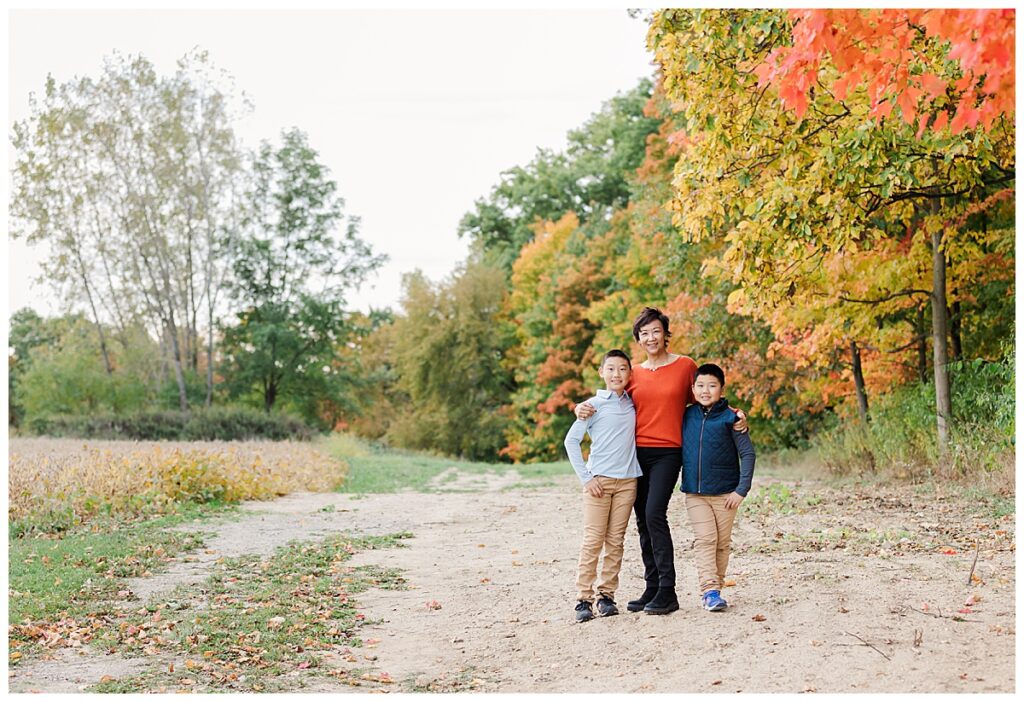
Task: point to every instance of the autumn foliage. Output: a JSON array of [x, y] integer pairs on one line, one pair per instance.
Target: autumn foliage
[[768, 203], [891, 53]]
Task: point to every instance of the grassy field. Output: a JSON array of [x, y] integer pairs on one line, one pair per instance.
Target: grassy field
[[374, 469], [257, 618]]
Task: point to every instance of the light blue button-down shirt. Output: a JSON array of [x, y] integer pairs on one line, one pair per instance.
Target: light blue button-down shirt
[[612, 432]]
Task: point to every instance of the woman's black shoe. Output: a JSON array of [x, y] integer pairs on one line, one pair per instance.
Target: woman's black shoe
[[638, 604], [664, 602]]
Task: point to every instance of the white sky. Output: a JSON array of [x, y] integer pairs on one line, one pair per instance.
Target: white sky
[[416, 112]]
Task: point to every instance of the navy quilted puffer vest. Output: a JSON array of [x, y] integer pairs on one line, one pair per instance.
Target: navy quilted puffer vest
[[711, 464]]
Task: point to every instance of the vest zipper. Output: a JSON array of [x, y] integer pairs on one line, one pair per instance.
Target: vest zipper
[[700, 448]]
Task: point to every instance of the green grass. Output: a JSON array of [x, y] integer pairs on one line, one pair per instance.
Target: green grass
[[261, 617], [380, 470], [71, 576]]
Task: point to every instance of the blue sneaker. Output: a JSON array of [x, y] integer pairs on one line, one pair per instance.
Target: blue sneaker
[[713, 601]]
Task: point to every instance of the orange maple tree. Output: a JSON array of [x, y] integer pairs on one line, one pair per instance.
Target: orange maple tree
[[899, 56]]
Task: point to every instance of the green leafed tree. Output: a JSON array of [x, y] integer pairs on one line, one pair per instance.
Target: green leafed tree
[[447, 347], [295, 261], [59, 370]]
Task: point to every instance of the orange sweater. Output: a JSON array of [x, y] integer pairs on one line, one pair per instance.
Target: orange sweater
[[661, 397]]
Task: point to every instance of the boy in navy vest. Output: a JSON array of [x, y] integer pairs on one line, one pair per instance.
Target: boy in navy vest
[[718, 466]]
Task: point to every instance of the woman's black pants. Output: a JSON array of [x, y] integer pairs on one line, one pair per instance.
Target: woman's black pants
[[654, 488]]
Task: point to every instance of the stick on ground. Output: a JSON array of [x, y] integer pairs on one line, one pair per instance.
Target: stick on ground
[[868, 644], [977, 548]]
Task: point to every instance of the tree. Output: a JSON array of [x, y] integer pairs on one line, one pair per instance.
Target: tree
[[447, 345], [787, 195], [60, 370], [27, 331], [893, 54], [292, 272], [129, 178]]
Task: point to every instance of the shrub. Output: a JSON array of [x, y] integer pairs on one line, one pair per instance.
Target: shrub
[[214, 424], [901, 437]]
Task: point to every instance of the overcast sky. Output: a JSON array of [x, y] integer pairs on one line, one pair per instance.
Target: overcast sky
[[416, 112]]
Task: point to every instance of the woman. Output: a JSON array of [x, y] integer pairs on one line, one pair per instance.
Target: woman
[[661, 388]]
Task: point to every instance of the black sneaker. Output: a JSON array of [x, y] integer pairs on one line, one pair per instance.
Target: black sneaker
[[664, 602], [583, 612], [606, 606], [639, 603]]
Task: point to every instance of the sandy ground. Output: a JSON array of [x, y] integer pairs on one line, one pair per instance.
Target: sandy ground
[[877, 611]]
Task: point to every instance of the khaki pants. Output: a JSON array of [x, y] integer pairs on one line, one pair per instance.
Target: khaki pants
[[604, 525], [712, 529]]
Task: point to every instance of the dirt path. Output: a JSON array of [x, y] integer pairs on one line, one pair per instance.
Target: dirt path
[[852, 593]]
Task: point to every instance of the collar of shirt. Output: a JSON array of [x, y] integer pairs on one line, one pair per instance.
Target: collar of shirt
[[608, 394]]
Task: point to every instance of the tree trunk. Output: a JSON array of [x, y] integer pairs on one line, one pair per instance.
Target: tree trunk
[[179, 375], [269, 396], [858, 382], [943, 404], [209, 355], [922, 347], [84, 274]]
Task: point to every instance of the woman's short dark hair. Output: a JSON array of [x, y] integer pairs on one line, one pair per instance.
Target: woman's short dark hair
[[617, 353], [646, 317]]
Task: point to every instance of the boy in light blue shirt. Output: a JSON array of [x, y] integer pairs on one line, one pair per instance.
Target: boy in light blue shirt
[[609, 485]]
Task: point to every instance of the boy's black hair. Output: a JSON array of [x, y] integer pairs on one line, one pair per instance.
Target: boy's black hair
[[711, 369], [649, 315], [617, 353]]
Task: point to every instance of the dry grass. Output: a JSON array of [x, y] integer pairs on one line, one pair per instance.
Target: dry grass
[[65, 481]]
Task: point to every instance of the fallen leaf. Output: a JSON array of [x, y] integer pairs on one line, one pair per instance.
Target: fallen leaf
[[759, 617], [107, 678], [948, 551]]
